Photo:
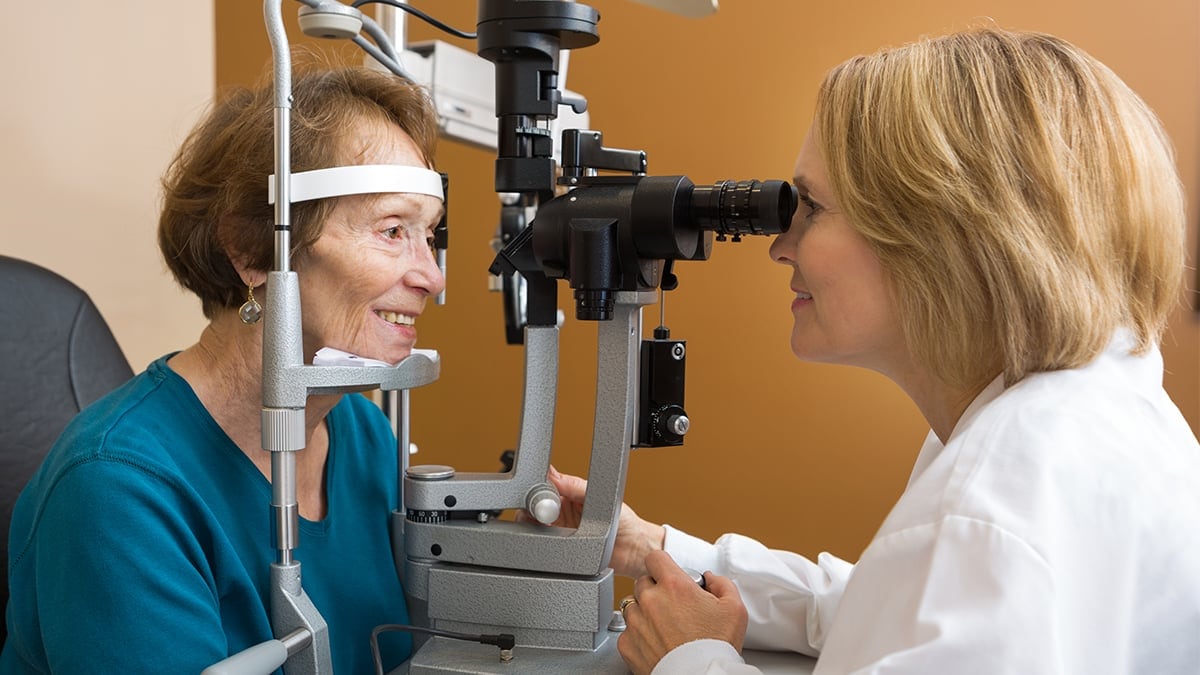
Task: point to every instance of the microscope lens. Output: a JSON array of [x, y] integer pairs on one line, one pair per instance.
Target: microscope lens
[[744, 207]]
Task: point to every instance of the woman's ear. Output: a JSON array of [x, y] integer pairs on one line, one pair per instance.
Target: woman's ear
[[253, 278], [242, 263]]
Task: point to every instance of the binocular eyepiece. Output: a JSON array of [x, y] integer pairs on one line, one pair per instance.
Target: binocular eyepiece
[[609, 233]]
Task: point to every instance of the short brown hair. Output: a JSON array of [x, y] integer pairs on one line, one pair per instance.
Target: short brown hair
[[1023, 199], [215, 190]]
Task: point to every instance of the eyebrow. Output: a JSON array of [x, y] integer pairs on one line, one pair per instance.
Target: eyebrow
[[374, 198]]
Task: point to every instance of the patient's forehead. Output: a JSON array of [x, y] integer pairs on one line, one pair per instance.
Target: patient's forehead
[[370, 140]]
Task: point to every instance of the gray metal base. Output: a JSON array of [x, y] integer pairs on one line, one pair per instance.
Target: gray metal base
[[443, 655]]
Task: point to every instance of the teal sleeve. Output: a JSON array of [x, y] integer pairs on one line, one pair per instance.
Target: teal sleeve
[[119, 554]]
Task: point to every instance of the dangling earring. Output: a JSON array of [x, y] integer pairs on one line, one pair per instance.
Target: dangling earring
[[250, 312]]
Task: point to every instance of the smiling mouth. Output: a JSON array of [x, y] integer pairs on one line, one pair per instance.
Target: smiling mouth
[[398, 319]]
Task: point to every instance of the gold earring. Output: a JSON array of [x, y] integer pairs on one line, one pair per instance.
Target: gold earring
[[250, 312]]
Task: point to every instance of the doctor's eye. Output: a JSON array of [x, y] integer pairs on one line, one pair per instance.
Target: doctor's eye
[[813, 207]]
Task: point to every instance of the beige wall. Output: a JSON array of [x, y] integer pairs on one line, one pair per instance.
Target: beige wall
[[96, 97]]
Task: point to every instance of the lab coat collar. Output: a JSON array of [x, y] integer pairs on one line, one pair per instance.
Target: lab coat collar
[[1142, 371]]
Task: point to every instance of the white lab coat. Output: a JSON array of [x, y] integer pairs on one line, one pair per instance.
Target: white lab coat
[[1058, 531]]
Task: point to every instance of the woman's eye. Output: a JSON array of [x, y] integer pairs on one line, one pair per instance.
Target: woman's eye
[[399, 232], [813, 207]]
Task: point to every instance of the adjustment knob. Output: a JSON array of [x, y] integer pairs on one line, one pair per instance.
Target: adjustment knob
[[331, 20], [670, 423], [427, 516], [678, 424], [429, 472], [544, 504]]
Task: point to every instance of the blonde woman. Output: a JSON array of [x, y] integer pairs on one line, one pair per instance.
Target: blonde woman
[[992, 220]]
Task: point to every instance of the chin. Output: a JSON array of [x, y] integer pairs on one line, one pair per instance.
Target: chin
[[805, 351], [801, 349], [805, 356], [388, 353], [389, 349], [396, 354]]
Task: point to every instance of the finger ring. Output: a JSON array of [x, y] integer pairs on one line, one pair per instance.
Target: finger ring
[[626, 602]]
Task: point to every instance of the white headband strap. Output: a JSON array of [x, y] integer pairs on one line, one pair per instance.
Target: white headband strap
[[340, 181]]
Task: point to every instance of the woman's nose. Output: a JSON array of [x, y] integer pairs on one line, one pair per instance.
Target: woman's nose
[[782, 247], [426, 275]]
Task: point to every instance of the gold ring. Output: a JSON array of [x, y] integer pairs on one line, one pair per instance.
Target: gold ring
[[626, 602]]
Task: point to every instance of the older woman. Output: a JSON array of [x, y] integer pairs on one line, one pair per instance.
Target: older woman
[[143, 543], [993, 221]]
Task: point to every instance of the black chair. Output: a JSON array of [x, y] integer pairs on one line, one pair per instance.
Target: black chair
[[57, 355]]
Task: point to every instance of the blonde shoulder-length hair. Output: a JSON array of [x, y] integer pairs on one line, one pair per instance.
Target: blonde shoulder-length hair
[[1024, 200]]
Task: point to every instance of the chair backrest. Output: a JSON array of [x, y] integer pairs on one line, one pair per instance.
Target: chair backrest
[[57, 355]]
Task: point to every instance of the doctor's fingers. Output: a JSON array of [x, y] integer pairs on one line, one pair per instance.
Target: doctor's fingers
[[643, 585], [721, 587], [647, 637], [636, 652]]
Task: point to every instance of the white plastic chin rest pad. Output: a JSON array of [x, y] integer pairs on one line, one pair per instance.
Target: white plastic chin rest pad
[[340, 181]]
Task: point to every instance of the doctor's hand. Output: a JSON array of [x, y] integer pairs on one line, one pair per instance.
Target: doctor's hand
[[635, 537], [670, 609]]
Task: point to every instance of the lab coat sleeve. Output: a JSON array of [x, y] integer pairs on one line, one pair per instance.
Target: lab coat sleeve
[[958, 595], [790, 600]]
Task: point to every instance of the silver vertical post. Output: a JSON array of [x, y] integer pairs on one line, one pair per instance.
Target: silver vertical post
[[395, 405], [394, 22]]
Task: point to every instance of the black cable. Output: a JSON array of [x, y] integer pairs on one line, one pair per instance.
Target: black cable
[[419, 14], [503, 640]]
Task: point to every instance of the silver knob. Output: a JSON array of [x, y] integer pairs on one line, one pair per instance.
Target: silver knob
[[430, 472], [544, 504]]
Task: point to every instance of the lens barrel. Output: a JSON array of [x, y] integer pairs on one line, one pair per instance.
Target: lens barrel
[[744, 207]]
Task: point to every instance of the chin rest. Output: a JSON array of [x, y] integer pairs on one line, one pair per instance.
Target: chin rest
[[57, 355]]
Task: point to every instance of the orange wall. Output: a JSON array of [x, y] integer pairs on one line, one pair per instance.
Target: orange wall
[[805, 457]]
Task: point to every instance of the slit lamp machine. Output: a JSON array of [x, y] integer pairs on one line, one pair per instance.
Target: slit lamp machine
[[573, 211]]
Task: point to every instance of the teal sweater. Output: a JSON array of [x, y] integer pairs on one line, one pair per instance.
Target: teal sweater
[[142, 545]]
